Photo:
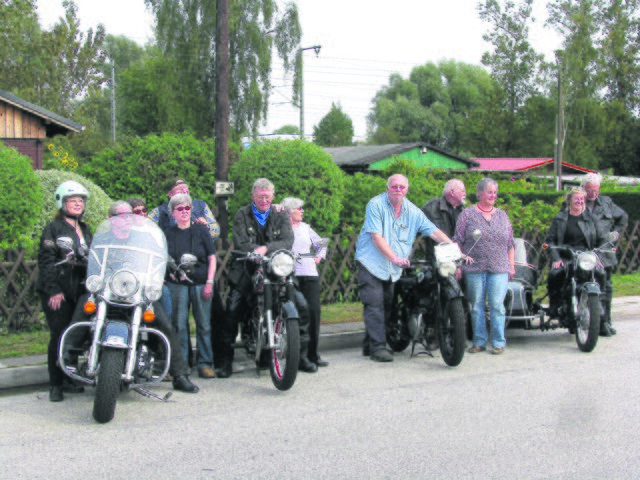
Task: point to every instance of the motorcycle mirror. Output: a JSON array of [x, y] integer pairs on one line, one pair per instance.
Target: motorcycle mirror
[[613, 236], [476, 234], [65, 242], [319, 245], [188, 259]]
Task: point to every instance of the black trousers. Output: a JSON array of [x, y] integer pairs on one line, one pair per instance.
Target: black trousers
[[57, 320], [310, 289]]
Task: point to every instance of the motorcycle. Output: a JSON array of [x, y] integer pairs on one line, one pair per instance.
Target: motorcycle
[[521, 309], [580, 310], [428, 305], [118, 348], [271, 334]]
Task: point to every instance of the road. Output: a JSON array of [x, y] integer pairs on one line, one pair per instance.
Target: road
[[541, 410]]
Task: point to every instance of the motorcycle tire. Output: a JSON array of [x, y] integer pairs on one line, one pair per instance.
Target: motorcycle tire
[[451, 333], [286, 356], [396, 329], [588, 322], [108, 384]]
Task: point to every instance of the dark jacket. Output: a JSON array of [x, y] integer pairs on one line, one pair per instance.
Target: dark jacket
[[248, 235], [166, 220], [66, 279], [609, 216], [443, 215], [591, 230]]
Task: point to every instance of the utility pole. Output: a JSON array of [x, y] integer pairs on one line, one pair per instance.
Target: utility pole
[[222, 114], [559, 128], [315, 48], [113, 101]]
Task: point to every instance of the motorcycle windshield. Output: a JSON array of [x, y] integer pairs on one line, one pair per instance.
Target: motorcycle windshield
[[130, 243], [526, 261]]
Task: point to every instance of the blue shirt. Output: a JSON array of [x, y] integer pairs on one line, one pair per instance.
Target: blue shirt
[[400, 233]]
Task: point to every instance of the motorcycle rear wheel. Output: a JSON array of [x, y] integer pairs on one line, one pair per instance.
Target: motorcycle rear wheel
[[285, 357], [452, 333], [396, 329], [108, 384], [588, 322]]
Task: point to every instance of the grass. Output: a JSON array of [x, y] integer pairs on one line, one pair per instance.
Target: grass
[[35, 343]]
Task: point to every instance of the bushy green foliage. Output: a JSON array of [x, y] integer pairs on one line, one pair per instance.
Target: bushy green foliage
[[142, 167], [97, 206], [298, 169], [20, 196]]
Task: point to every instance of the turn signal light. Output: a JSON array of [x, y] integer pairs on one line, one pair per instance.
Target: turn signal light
[[148, 316], [90, 307]]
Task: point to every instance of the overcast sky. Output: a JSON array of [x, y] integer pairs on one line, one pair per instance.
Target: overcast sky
[[362, 41]]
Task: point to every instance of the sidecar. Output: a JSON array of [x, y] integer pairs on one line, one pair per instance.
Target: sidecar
[[522, 311]]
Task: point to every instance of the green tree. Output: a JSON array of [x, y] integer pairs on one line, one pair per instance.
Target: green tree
[[288, 130], [335, 129]]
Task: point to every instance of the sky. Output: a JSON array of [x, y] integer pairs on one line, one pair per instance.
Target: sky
[[362, 44]]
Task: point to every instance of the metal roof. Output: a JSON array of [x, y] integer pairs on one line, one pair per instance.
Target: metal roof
[[521, 164], [48, 116]]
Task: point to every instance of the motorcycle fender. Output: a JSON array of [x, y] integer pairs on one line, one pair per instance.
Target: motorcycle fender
[[289, 310], [451, 289], [591, 287], [115, 335]]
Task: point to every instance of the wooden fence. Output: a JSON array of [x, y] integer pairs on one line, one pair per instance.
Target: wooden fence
[[20, 306]]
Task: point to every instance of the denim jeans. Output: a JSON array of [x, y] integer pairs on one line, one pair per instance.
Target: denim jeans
[[181, 297], [479, 287]]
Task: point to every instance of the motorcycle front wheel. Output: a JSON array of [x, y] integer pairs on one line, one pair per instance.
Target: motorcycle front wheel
[[285, 357], [108, 384], [451, 333], [588, 321]]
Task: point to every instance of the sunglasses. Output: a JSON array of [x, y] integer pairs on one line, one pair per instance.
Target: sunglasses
[[180, 209], [140, 211]]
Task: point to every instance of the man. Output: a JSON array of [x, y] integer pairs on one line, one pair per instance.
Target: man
[[444, 211], [260, 228], [122, 222], [390, 228], [609, 218]]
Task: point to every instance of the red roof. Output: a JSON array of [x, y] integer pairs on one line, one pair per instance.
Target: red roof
[[520, 164]]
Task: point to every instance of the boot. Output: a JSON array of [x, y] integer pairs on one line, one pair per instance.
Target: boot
[[305, 364], [226, 370], [182, 383]]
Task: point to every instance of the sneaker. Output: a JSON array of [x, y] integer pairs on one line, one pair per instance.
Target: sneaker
[[382, 355], [182, 383], [498, 350], [206, 372], [55, 394], [476, 349]]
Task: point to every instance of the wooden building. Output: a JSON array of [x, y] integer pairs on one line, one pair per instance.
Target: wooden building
[[26, 126]]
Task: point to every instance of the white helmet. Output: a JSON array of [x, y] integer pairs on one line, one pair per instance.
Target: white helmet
[[70, 189]]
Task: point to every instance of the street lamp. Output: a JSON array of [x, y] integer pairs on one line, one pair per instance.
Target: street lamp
[[315, 48]]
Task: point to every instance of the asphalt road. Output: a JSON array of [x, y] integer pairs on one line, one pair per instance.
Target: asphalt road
[[541, 410]]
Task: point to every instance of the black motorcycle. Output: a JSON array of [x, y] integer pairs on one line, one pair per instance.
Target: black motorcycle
[[429, 306], [580, 310]]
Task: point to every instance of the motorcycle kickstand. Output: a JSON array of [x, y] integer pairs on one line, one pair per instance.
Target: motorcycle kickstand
[[413, 347], [147, 393]]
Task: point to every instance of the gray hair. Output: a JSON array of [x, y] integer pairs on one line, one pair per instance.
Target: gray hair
[[397, 175], [115, 206], [290, 204], [178, 199], [263, 184], [592, 178], [484, 184], [451, 185]]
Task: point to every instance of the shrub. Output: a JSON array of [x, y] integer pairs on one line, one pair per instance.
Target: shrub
[[20, 195], [298, 169]]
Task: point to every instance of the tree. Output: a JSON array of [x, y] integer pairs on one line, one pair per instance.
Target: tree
[[185, 32], [335, 129], [287, 130]]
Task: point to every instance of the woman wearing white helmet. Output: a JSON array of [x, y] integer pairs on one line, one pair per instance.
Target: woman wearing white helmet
[[60, 286]]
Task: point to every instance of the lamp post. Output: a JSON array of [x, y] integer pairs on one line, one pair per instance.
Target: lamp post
[[315, 48]]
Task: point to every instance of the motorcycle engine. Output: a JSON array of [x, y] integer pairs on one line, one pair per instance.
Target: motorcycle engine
[[414, 325], [144, 368]]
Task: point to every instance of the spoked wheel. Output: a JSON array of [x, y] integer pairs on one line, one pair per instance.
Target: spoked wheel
[[451, 333], [108, 384], [396, 328], [588, 321], [286, 355]]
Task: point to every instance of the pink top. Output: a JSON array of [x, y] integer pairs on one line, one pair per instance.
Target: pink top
[[305, 237]]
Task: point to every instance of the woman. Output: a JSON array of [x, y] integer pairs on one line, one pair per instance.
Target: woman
[[138, 206], [576, 228], [491, 265], [307, 272], [61, 286], [196, 290]]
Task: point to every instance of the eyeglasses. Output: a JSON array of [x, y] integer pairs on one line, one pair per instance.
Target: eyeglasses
[[140, 210], [300, 209], [77, 201], [180, 209], [398, 187]]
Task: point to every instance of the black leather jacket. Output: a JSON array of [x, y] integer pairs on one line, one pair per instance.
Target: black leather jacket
[[594, 235], [66, 279], [443, 215], [609, 216]]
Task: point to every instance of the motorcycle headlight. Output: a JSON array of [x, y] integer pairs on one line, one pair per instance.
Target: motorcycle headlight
[[447, 268], [587, 261], [124, 283], [93, 283], [153, 292], [282, 264]]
